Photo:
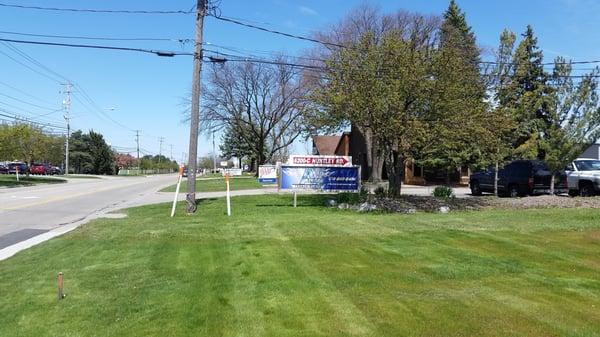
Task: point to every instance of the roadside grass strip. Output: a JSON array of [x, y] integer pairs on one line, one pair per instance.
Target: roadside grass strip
[[218, 184], [10, 180], [274, 270]]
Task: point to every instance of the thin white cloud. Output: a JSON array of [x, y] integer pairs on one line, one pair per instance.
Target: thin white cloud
[[307, 11]]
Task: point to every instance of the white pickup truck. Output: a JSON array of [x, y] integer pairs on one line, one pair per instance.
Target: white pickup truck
[[583, 177]]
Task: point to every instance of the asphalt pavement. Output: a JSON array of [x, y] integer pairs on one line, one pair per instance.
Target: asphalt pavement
[[29, 211]]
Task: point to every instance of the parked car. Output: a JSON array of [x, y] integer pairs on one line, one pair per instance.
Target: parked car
[[518, 178], [39, 169], [54, 170], [3, 168], [583, 176], [22, 167]]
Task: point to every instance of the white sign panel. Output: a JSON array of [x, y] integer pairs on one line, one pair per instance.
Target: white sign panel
[[232, 172], [312, 160], [267, 174]]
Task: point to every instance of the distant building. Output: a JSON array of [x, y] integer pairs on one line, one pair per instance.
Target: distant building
[[353, 144], [592, 152]]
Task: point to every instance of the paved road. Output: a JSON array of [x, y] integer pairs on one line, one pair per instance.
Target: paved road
[[29, 211]]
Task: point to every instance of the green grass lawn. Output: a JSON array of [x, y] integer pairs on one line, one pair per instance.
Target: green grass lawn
[[217, 184], [274, 270], [10, 180]]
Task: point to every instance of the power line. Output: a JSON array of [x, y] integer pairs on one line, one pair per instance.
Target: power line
[[24, 92], [299, 37], [99, 109], [28, 103], [79, 37], [30, 68], [90, 46], [87, 10], [26, 120]]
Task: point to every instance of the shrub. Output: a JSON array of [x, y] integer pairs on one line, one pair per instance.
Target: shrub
[[353, 198], [445, 192], [381, 192]]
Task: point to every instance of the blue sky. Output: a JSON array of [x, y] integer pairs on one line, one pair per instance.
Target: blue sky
[[144, 92]]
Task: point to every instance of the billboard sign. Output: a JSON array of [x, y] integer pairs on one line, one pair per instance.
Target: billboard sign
[[320, 178], [312, 160], [267, 174]]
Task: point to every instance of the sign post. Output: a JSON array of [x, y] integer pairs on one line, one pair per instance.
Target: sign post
[[177, 190], [228, 196]]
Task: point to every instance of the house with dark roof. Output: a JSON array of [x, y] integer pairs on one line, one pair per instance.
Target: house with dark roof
[[353, 144]]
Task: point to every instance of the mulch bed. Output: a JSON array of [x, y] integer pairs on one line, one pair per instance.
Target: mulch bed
[[412, 204]]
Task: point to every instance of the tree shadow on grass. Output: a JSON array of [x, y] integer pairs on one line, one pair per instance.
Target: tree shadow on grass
[[204, 200]]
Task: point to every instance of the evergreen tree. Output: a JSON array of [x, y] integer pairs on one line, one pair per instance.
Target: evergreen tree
[[461, 128], [525, 96], [573, 117]]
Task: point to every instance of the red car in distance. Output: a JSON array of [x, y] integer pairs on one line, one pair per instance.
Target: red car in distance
[[40, 169]]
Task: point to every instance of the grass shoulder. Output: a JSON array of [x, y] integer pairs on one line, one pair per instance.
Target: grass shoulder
[[9, 180], [274, 270]]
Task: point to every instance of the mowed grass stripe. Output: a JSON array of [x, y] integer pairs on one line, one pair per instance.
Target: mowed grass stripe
[[274, 270]]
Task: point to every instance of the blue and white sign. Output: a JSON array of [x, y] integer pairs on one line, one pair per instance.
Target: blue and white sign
[[320, 178]]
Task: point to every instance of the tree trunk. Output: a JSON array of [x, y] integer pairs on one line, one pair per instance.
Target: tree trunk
[[369, 147], [496, 180], [394, 169], [552, 184]]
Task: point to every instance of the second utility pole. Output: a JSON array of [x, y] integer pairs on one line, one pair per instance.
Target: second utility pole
[[67, 116], [137, 141], [195, 113]]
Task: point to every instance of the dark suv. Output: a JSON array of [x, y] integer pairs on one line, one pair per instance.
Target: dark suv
[[21, 167], [518, 178]]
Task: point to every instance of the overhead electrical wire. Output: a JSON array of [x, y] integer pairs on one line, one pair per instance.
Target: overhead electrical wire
[[92, 104], [24, 92], [299, 37], [100, 38], [90, 46], [88, 10], [28, 103]]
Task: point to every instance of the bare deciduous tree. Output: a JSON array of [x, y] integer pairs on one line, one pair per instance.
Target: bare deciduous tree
[[263, 103]]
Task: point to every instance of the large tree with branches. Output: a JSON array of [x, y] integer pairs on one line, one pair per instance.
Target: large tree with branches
[[261, 104]]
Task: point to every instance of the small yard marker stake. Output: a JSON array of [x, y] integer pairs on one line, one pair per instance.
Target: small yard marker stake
[[61, 293], [295, 199], [177, 190], [228, 195]]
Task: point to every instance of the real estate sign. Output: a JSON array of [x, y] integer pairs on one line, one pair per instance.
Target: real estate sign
[[267, 174], [320, 178]]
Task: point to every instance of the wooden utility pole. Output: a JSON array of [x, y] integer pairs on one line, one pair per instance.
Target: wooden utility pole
[[195, 116]]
